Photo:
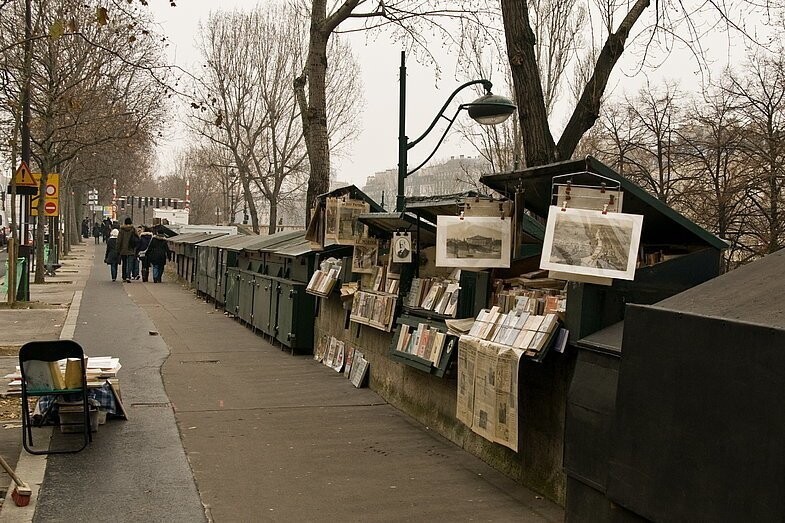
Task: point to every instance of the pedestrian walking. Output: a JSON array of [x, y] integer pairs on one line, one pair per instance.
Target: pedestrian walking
[[126, 245], [97, 232], [105, 230], [141, 251], [112, 256], [85, 228], [157, 254]]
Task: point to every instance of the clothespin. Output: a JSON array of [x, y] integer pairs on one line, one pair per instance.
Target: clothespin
[[602, 188], [564, 204], [501, 210], [611, 200], [568, 189], [461, 215], [605, 209]]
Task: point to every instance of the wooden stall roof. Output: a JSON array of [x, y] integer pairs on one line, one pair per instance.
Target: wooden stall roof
[[353, 192], [661, 224]]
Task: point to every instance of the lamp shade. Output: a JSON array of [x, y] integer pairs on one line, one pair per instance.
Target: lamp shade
[[490, 109]]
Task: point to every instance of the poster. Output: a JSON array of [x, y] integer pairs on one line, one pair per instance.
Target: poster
[[401, 247], [591, 243], [366, 254], [473, 241]]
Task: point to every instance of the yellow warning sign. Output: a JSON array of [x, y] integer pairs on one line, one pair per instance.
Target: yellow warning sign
[[52, 198], [23, 178]]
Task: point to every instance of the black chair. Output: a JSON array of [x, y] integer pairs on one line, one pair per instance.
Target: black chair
[[45, 352]]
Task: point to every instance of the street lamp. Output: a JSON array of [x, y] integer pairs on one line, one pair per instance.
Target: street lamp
[[489, 109]]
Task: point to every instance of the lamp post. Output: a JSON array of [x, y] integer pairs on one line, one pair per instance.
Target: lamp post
[[489, 109]]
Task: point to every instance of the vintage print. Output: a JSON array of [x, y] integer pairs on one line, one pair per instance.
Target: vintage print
[[331, 220], [592, 243], [366, 253], [474, 241], [349, 228], [401, 247]]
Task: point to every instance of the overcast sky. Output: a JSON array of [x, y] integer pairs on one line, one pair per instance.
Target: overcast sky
[[376, 148]]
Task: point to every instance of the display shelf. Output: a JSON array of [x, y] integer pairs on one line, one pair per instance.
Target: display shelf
[[364, 309], [448, 359]]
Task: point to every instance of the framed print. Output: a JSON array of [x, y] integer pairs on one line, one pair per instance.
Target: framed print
[[591, 243], [401, 248], [473, 241], [366, 254]]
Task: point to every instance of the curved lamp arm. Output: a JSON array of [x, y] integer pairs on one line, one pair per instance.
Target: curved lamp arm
[[485, 83], [444, 135]]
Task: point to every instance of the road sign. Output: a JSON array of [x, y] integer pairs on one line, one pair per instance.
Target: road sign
[[23, 178], [52, 199]]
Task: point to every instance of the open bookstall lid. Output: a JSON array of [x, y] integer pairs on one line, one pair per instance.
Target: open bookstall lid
[[661, 224], [224, 242], [429, 207], [387, 223]]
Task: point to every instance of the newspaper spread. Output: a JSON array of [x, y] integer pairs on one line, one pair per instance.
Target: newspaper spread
[[488, 389], [467, 356]]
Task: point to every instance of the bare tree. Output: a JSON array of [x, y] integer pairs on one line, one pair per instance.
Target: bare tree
[[760, 90]]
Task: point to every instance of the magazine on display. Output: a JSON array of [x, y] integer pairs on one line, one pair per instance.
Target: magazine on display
[[366, 254], [401, 247]]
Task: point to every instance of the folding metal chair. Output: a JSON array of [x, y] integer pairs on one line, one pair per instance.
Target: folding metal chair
[[46, 352]]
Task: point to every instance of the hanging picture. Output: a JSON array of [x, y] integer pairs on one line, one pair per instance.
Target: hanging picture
[[401, 247], [473, 241], [591, 243], [331, 221], [366, 254]]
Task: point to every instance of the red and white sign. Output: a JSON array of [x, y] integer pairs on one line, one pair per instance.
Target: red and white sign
[[50, 208]]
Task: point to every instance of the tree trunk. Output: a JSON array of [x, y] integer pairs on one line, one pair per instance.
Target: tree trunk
[[271, 227], [249, 201], [40, 223], [317, 138], [538, 145]]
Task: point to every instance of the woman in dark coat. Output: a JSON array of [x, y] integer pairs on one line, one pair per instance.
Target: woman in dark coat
[[157, 254], [141, 252], [112, 256]]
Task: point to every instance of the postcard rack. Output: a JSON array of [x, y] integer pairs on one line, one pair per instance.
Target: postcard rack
[[604, 195]]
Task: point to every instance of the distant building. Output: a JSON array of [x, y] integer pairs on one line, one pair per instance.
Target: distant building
[[458, 174]]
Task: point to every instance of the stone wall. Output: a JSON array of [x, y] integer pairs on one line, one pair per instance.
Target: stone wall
[[432, 402]]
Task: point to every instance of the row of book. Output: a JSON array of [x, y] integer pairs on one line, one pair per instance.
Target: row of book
[[374, 309], [434, 294], [530, 300], [324, 278], [342, 357], [521, 330], [422, 341], [384, 281]]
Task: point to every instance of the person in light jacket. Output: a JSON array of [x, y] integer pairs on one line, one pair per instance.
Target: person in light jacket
[[157, 254], [112, 256]]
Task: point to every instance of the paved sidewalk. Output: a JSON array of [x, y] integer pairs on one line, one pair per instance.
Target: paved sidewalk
[[275, 437], [225, 427]]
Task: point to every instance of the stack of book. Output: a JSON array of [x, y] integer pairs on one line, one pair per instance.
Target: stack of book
[[324, 278], [374, 309], [520, 330], [422, 341], [63, 374], [434, 294], [533, 301]]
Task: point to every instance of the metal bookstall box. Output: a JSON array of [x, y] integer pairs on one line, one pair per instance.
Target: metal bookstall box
[[700, 389], [250, 271], [593, 312], [229, 270], [290, 265], [217, 253], [206, 260], [184, 248]]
